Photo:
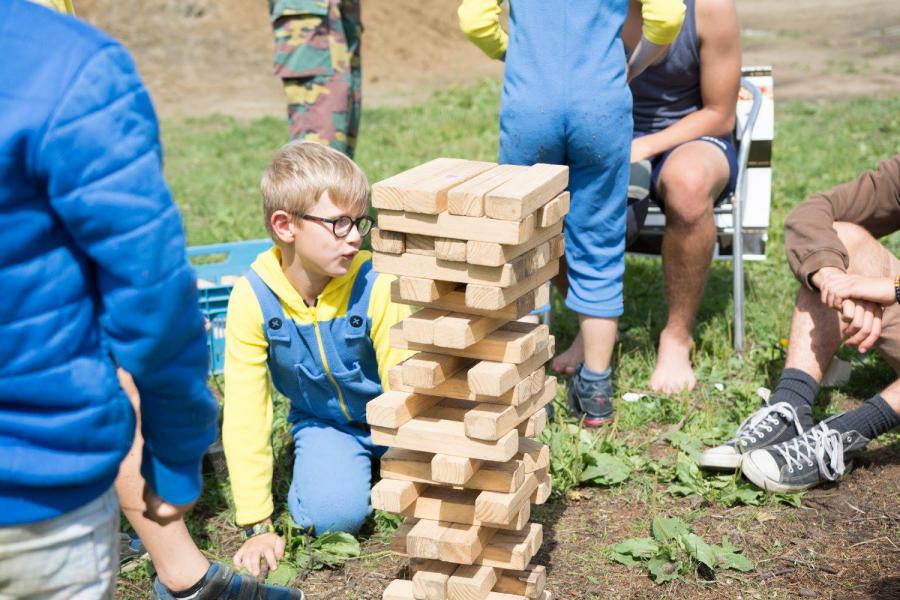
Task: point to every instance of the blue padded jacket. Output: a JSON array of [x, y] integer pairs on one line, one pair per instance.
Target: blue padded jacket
[[93, 273]]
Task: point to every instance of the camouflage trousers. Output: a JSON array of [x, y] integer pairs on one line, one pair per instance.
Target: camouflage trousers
[[317, 56]]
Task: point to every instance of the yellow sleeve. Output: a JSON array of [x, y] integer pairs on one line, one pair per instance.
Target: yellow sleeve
[[480, 22], [247, 414], [385, 314], [662, 20]]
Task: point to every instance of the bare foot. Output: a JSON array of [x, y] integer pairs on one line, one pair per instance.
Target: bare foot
[[569, 360], [673, 372]]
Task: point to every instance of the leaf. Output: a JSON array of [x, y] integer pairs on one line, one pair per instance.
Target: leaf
[[699, 550], [337, 543], [625, 559], [283, 575], [684, 442], [680, 490], [666, 529], [793, 499], [637, 547], [742, 494], [738, 562], [606, 470], [662, 568]]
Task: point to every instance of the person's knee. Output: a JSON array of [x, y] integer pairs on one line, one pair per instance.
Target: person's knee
[[688, 196], [852, 236], [325, 510]]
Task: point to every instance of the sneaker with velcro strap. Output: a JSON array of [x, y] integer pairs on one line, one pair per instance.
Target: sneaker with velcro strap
[[769, 425]]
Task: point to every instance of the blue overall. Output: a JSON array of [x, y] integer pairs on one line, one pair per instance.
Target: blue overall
[[565, 101], [332, 453]]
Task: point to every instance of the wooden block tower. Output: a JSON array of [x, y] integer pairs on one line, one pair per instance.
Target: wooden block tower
[[473, 244]]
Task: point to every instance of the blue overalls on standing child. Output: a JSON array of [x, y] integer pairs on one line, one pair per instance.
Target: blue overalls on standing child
[[565, 100], [328, 371]]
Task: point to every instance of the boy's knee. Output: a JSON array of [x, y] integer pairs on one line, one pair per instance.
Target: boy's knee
[[325, 511]]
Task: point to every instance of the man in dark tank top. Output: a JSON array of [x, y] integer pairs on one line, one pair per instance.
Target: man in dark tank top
[[684, 116]]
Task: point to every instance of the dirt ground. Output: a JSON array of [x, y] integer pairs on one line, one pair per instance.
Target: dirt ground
[[214, 56]]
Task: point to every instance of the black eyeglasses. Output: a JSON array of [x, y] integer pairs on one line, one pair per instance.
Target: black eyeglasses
[[343, 224]]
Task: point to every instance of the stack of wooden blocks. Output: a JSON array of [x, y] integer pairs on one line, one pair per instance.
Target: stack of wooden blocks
[[474, 244]]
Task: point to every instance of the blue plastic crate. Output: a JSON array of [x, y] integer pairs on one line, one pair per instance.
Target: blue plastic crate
[[216, 265]]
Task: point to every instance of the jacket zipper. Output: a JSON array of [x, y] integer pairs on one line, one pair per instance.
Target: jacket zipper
[[337, 388]]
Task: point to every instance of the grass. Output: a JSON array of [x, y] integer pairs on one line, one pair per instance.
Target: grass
[[214, 164]]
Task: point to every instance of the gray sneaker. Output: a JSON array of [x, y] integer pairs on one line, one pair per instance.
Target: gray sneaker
[[767, 426], [591, 400], [810, 459]]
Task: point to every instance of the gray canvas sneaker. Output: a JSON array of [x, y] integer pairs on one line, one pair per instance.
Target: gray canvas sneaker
[[771, 424], [812, 458]]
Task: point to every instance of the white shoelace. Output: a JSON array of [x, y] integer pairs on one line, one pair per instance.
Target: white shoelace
[[765, 418], [821, 442]]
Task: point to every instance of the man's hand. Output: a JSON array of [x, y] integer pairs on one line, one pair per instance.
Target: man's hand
[[160, 511], [837, 287], [265, 545], [640, 149], [861, 323]]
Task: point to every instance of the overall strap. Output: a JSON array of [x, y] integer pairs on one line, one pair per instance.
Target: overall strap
[[362, 291], [274, 320]]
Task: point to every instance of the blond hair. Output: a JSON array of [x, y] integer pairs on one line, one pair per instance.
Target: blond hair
[[302, 171]]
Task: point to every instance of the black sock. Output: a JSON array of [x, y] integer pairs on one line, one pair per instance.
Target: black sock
[[798, 389], [872, 418]]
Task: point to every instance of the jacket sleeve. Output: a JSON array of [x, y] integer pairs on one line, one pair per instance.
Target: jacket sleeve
[[247, 422], [662, 20], [871, 201], [480, 22], [101, 158], [385, 314]]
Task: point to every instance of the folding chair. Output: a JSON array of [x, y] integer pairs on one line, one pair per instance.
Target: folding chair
[[752, 194]]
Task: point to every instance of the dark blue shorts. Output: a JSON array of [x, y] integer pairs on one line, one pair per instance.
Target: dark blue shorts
[[725, 144]]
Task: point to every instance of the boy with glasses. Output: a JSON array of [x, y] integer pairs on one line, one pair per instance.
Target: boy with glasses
[[313, 316]]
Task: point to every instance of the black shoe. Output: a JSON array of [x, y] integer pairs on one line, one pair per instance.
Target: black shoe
[[221, 583], [768, 426], [591, 400], [810, 459]]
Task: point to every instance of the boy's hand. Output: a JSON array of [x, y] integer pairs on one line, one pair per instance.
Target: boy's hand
[[268, 546], [160, 511]]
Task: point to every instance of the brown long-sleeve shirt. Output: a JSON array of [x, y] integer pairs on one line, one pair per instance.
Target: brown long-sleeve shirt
[[871, 201]]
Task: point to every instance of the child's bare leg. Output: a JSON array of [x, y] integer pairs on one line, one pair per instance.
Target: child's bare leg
[[179, 563]]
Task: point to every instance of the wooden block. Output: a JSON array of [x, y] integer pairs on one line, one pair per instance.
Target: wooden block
[[398, 540], [457, 387], [491, 507], [462, 544], [534, 425], [534, 454], [399, 589], [459, 331], [427, 370], [454, 505], [457, 227], [429, 195], [450, 249], [415, 265], [525, 193], [419, 326], [468, 198], [419, 289], [453, 470], [430, 580], [494, 378], [444, 436], [512, 549], [393, 495], [494, 297], [529, 582], [393, 408], [554, 211], [456, 302], [389, 242], [492, 254], [388, 193], [504, 477], [545, 486], [491, 421], [509, 343], [471, 582], [420, 244]]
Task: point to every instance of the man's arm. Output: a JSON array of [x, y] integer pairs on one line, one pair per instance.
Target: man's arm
[[102, 162], [720, 74], [871, 201]]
